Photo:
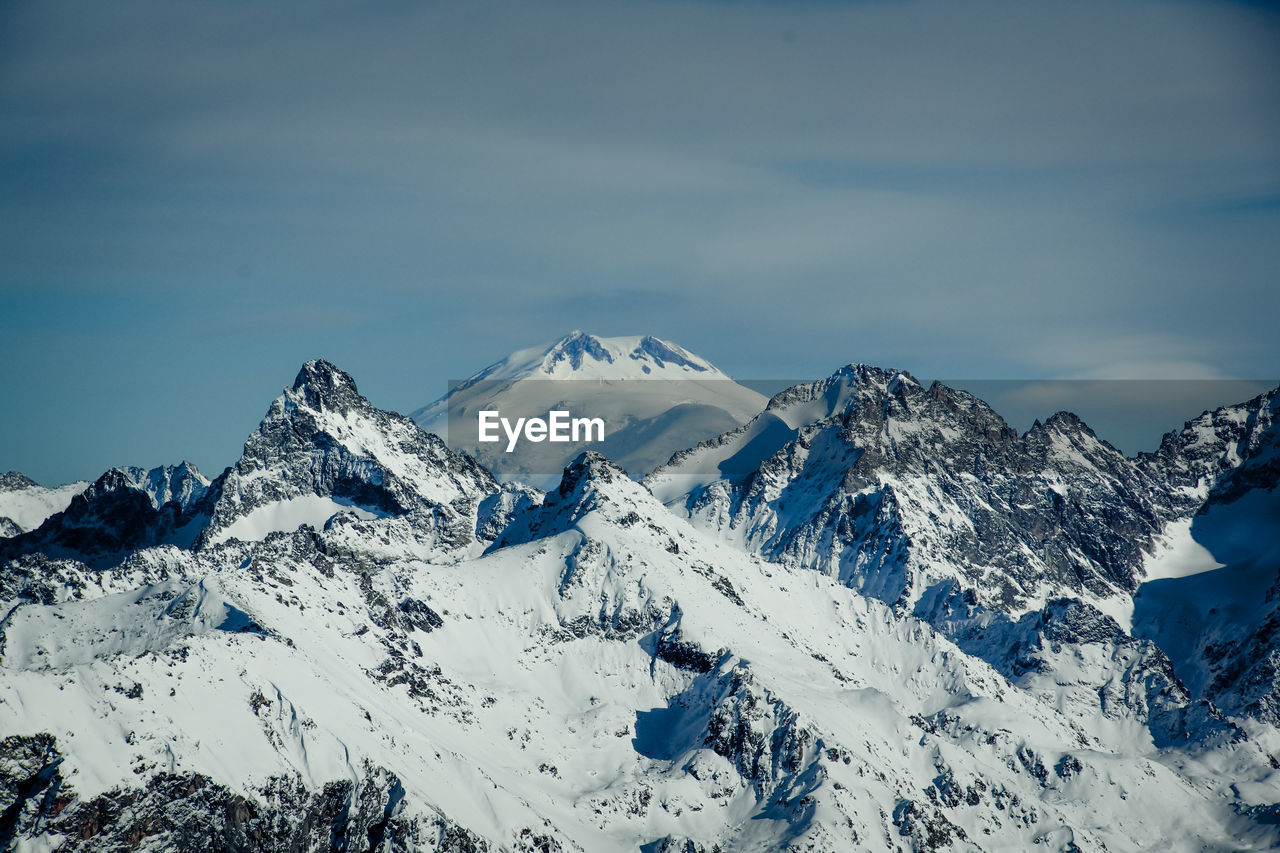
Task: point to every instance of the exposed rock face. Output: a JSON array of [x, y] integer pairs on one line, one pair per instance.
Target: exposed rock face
[[13, 480], [190, 812], [1221, 455]]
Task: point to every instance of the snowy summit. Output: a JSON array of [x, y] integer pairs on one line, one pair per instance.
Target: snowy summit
[[656, 397]]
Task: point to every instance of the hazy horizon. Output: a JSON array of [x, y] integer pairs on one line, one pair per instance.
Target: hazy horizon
[[1130, 414]]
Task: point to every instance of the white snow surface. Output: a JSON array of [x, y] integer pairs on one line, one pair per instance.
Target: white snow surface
[[1178, 555], [29, 508], [822, 717], [579, 355], [290, 514]]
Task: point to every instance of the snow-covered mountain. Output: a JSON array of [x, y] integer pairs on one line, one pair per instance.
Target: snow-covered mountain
[[899, 490], [323, 450], [123, 510], [872, 618], [924, 498], [1211, 596], [655, 397], [25, 504]]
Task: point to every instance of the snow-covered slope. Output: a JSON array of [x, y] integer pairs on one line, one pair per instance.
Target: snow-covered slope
[[579, 355], [25, 504], [608, 679], [655, 397]]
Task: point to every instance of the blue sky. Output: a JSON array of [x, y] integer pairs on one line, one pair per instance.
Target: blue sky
[[197, 197]]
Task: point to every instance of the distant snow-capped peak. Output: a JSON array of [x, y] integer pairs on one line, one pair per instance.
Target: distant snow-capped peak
[[595, 377], [579, 355], [25, 504]]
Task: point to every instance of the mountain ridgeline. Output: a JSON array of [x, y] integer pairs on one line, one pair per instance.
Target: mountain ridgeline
[[865, 615]]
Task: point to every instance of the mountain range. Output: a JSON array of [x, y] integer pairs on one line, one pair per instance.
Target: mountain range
[[868, 615]]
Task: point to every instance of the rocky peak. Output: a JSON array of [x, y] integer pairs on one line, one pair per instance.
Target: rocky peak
[[573, 348], [323, 449], [856, 378], [13, 480], [123, 510], [1222, 453], [1067, 422], [890, 407], [1064, 440], [664, 353], [586, 471], [591, 483], [893, 487], [1068, 425], [323, 386], [110, 481], [182, 483], [319, 403]]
